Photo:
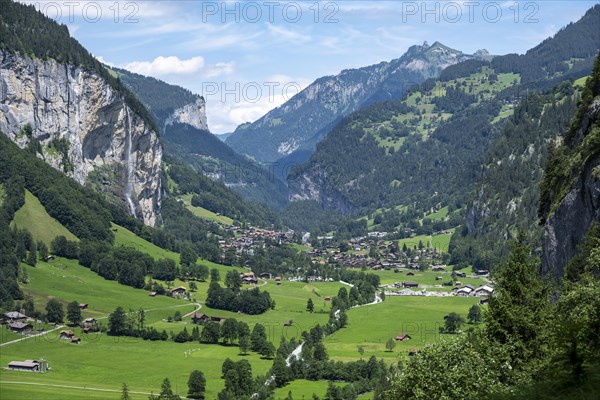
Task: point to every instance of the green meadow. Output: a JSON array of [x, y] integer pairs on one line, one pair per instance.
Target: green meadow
[[303, 389], [43, 227], [371, 326], [439, 242], [427, 278], [438, 215], [66, 280], [106, 362], [203, 212]]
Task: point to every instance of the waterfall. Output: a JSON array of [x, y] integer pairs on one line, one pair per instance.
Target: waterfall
[[128, 164]]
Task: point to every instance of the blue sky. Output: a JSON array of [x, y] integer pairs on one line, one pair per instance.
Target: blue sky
[[249, 57]]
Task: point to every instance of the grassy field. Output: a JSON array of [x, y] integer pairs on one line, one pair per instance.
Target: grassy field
[[105, 362], [372, 326], [424, 278], [290, 299], [35, 392], [440, 242], [203, 212], [438, 215], [303, 389], [67, 280], [33, 217], [124, 237]]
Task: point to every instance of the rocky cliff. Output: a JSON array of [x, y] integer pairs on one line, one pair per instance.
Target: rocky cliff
[[573, 214], [84, 127], [193, 114], [313, 186]]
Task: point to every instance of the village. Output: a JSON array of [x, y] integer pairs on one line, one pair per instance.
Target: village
[[372, 253]]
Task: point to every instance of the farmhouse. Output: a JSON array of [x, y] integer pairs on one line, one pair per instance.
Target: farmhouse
[[75, 340], [89, 321], [66, 334], [83, 306], [20, 327], [410, 284], [465, 291], [403, 336], [278, 280], [14, 316], [327, 298], [485, 290], [250, 280], [152, 294], [29, 365], [178, 291], [287, 323], [265, 275], [199, 318]]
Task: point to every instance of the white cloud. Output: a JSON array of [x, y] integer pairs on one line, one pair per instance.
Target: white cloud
[[226, 111], [219, 69], [171, 65], [287, 35]]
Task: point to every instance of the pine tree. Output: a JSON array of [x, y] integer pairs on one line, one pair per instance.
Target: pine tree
[[310, 307], [125, 392]]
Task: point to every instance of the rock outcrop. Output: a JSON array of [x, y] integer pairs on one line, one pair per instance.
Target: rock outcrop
[[567, 225], [193, 114], [65, 103], [313, 186]]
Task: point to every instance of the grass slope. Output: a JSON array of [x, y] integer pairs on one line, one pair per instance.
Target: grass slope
[[203, 212], [33, 217], [67, 280], [372, 326], [438, 215], [304, 389], [426, 278], [440, 242], [124, 237]]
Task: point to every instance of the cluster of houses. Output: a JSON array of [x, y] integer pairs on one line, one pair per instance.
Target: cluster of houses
[[469, 290], [250, 278], [390, 256], [246, 240], [17, 322]]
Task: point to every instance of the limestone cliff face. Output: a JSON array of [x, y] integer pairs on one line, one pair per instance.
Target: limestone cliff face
[[567, 225], [312, 185], [193, 114], [65, 103]]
